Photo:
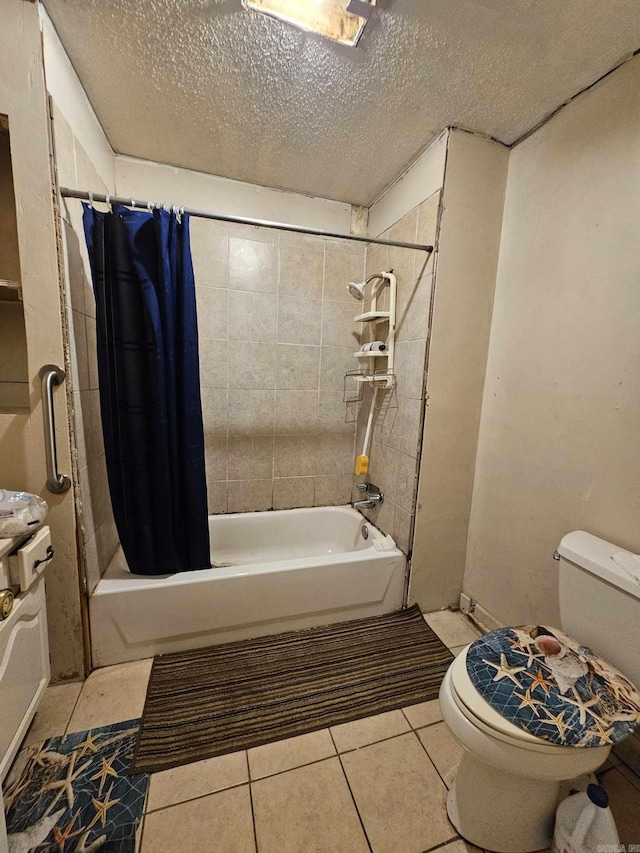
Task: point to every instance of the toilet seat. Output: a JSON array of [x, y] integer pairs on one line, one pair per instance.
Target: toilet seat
[[480, 713]]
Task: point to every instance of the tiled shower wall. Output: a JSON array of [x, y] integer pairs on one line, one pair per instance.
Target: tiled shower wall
[[98, 534], [397, 434], [276, 336]]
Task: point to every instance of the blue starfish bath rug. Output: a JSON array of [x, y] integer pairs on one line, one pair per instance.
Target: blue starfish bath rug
[[75, 794]]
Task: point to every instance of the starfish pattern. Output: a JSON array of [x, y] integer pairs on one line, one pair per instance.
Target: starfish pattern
[[557, 720], [105, 770], [90, 744], [65, 786], [93, 847], [505, 671], [538, 680], [601, 731], [528, 701], [61, 834], [582, 704], [103, 807]]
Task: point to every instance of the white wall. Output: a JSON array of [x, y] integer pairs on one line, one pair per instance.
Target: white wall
[[421, 180], [560, 432], [158, 182]]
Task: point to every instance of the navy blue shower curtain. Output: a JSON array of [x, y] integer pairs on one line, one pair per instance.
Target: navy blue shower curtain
[[149, 386]]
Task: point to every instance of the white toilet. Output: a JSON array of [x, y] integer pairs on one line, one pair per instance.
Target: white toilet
[[507, 786]]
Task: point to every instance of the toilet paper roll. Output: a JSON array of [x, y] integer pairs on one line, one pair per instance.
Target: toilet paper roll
[[375, 346]]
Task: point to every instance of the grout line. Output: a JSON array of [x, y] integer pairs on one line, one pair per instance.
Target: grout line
[[75, 705], [253, 815], [446, 787], [353, 799]]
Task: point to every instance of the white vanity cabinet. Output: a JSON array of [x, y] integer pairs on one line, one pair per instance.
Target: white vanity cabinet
[[24, 646]]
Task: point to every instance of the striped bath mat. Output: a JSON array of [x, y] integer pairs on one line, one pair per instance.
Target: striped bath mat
[[235, 696]]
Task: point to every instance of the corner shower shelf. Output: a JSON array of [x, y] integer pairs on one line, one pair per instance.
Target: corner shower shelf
[[373, 317], [370, 354]]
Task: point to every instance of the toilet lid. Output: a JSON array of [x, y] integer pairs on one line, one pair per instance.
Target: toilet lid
[[544, 683]]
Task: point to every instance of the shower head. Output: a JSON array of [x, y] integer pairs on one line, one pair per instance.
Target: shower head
[[356, 290]]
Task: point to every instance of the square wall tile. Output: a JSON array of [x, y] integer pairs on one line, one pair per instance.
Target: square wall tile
[[216, 496], [210, 254], [333, 491], [212, 304], [338, 326], [215, 407], [428, 216], [400, 797], [249, 495], [299, 320], [296, 412], [292, 492], [253, 265], [410, 368], [295, 455], [308, 809], [339, 269], [252, 316], [250, 457], [251, 412], [298, 367], [301, 270], [332, 414], [252, 366], [335, 454], [334, 363], [214, 364]]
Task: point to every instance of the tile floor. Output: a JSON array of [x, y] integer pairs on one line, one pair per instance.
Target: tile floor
[[377, 784]]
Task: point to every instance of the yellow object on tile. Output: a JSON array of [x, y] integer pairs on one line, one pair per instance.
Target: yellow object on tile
[[362, 465]]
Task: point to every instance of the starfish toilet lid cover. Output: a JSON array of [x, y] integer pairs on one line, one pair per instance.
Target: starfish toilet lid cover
[[544, 682]]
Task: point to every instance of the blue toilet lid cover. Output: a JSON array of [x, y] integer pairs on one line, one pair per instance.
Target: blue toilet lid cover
[[547, 684]]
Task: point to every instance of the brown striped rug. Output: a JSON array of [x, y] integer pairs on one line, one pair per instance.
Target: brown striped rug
[[235, 696]]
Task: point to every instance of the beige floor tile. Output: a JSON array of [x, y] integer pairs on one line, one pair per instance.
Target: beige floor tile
[[628, 773], [624, 800], [196, 780], [460, 846], [423, 714], [307, 809], [443, 749], [111, 695], [454, 629], [400, 797], [455, 650], [369, 730], [287, 754], [54, 712], [220, 822]]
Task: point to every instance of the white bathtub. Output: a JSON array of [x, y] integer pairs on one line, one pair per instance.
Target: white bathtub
[[283, 571]]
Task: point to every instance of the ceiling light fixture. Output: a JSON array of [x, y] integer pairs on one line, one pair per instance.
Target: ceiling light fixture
[[340, 20]]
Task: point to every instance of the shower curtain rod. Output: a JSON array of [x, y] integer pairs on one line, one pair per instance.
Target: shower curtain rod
[[66, 192]]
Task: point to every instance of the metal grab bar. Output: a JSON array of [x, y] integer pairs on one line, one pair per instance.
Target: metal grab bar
[[50, 376]]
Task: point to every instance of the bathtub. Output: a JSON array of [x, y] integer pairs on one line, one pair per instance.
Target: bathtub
[[273, 571]]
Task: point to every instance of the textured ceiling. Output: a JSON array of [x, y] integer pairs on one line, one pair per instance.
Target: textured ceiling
[[207, 85]]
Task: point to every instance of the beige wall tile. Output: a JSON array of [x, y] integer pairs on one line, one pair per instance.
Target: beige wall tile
[[253, 265], [296, 412], [210, 254], [338, 327], [54, 712], [423, 714], [196, 780], [216, 456], [401, 528], [249, 495], [293, 492], [214, 364], [79, 358], [216, 496], [348, 736], [111, 695], [220, 821], [299, 320], [443, 749], [295, 455], [320, 814], [212, 305], [335, 454], [289, 753], [252, 316], [301, 270], [428, 220], [409, 367], [339, 269], [251, 412], [252, 366], [334, 363], [332, 414], [298, 367], [333, 491], [392, 782], [250, 457], [215, 406]]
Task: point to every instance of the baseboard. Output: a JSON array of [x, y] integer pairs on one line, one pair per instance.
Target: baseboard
[[485, 620]]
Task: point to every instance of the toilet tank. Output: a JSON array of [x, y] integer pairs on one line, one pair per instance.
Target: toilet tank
[[600, 601]]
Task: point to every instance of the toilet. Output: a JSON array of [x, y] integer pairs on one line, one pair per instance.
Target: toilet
[[507, 786]]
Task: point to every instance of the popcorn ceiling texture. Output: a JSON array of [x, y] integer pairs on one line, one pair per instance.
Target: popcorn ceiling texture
[[206, 85]]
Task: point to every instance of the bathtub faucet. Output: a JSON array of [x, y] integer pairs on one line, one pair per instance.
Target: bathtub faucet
[[374, 496]]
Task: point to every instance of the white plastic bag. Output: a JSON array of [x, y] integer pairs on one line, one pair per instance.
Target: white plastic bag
[[20, 512]]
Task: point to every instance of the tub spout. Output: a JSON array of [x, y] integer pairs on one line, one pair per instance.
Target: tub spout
[[374, 496]]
